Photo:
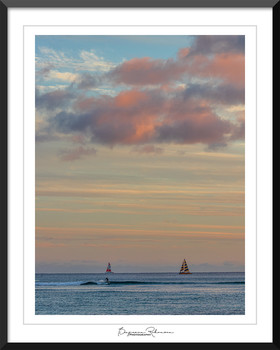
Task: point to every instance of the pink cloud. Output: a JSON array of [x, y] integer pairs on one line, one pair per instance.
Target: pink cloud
[[162, 103], [182, 53], [130, 98], [145, 71], [136, 117], [227, 66]]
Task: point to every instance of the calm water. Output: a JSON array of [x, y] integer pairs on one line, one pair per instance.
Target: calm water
[[141, 294]]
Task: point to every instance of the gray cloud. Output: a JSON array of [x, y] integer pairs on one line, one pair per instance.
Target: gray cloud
[[215, 44], [87, 81], [220, 94], [54, 99], [76, 153], [212, 130], [148, 149], [44, 71]]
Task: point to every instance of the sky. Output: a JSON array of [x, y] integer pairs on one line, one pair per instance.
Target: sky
[[140, 153]]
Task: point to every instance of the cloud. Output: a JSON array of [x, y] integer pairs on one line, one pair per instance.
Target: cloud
[[67, 123], [148, 149], [87, 81], [131, 98], [166, 100], [229, 68], [219, 94], [53, 99], [82, 61], [216, 57], [44, 71], [76, 153], [143, 71], [55, 75], [92, 62], [238, 132], [205, 129], [216, 146], [137, 117], [216, 44]]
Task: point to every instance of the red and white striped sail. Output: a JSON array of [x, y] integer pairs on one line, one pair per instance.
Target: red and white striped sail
[[109, 268]]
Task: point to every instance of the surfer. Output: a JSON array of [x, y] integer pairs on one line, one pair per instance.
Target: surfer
[[107, 280]]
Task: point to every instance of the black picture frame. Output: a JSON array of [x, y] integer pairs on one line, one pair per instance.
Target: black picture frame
[[4, 293]]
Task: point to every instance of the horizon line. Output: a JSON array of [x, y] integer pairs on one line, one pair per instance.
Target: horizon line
[[86, 273]]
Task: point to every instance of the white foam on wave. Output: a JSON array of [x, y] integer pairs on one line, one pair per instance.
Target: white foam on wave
[[101, 282], [58, 283]]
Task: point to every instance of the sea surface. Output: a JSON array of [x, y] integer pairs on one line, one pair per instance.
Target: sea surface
[[140, 294]]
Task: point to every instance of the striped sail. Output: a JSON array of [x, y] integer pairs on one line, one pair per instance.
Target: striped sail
[[184, 268], [109, 268]]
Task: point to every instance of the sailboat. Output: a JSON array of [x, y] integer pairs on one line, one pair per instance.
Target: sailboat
[[109, 268], [184, 269]]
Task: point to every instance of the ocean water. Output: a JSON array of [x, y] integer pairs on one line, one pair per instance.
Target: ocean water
[[140, 294]]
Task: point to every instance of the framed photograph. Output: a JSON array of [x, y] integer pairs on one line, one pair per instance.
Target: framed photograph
[[137, 144]]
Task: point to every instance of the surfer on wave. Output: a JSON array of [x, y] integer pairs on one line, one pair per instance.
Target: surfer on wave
[[107, 280]]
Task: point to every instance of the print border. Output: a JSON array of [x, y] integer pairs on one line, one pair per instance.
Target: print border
[[4, 6]]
